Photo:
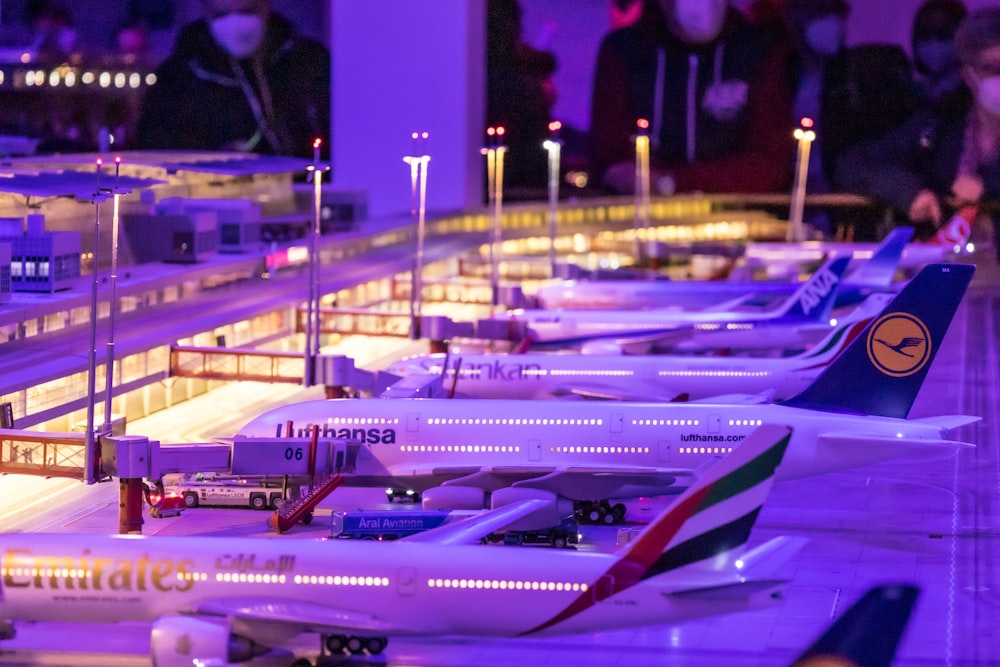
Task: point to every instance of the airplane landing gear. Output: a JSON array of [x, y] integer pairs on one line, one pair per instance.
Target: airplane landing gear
[[599, 512], [339, 644]]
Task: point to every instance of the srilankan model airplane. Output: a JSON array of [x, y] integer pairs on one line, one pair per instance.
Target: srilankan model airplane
[[218, 600], [874, 274], [657, 377], [459, 453]]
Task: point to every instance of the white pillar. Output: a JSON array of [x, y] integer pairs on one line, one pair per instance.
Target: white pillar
[[404, 66]]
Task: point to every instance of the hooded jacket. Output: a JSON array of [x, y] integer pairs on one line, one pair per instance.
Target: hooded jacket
[[691, 95], [204, 99]]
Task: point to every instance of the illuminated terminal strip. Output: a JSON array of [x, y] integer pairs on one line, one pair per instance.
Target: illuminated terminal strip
[[665, 422], [715, 374], [586, 449], [71, 76], [474, 449], [450, 421], [507, 585]]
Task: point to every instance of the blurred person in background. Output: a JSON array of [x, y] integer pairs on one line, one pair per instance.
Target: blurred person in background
[[520, 94], [941, 171], [850, 94], [935, 57], [714, 90], [239, 79]]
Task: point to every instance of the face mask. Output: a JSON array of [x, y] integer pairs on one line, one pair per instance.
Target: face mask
[[825, 35], [239, 34], [936, 56], [700, 20], [988, 95]]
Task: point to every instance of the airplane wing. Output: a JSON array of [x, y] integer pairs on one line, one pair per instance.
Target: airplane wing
[[739, 399], [640, 343], [474, 528], [895, 447], [575, 483], [269, 616], [603, 393], [948, 422]]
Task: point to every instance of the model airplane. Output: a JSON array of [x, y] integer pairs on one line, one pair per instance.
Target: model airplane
[[874, 274], [868, 633], [636, 377], [811, 303], [219, 599], [461, 452]]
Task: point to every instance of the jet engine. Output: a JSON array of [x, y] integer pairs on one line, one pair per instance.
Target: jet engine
[[453, 498], [177, 641], [557, 509]]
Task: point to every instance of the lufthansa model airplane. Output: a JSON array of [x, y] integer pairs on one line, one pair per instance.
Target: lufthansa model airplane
[[874, 274], [220, 600], [636, 377], [461, 452], [811, 303]]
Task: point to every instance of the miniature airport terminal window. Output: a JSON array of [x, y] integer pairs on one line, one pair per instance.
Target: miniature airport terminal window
[[507, 585]]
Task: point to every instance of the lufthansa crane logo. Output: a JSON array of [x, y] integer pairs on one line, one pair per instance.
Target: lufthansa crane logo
[[899, 344]]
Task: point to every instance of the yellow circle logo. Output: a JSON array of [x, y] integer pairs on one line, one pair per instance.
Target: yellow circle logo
[[899, 344]]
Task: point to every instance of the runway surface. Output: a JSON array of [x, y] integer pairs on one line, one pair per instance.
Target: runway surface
[[932, 523]]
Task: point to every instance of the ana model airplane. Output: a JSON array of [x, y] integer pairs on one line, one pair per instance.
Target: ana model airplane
[[874, 274], [657, 377], [222, 600], [811, 303], [461, 452]]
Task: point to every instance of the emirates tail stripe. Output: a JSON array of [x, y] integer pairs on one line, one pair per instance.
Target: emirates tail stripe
[[646, 552], [707, 545]]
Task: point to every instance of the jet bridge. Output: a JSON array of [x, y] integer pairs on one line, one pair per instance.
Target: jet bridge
[[316, 464]]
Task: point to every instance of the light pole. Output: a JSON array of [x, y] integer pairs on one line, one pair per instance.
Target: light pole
[[418, 180], [315, 170]]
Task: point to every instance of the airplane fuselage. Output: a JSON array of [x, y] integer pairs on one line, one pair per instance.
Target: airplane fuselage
[[426, 441], [653, 376], [408, 588]]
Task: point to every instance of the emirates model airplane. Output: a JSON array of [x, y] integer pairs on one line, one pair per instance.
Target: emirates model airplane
[[810, 304], [221, 600], [657, 377], [459, 453], [875, 273]]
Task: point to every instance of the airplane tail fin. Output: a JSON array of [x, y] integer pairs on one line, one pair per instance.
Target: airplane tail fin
[[814, 300], [882, 370], [710, 522], [881, 268], [868, 633]]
